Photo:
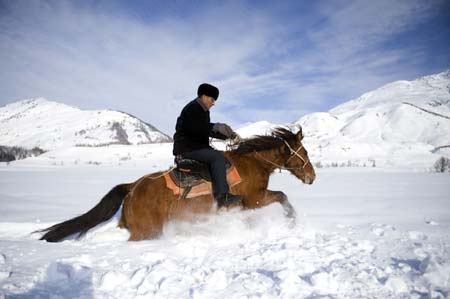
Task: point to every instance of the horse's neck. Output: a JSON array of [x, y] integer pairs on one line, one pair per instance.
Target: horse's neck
[[269, 160], [264, 163]]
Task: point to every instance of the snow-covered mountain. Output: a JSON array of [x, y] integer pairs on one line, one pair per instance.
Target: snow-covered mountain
[[49, 125], [404, 122], [258, 128]]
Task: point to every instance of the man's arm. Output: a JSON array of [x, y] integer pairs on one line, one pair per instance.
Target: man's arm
[[217, 135], [222, 131]]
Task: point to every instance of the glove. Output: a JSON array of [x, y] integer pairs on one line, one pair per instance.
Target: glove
[[224, 129], [235, 138]]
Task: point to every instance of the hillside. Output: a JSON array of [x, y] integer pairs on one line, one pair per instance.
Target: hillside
[[49, 125], [403, 123]]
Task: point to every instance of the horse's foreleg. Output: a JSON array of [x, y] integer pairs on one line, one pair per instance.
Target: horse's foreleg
[[288, 208], [269, 197]]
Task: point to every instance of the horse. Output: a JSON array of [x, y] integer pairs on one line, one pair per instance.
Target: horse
[[147, 204]]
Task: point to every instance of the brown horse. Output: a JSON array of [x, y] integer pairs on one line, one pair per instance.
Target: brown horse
[[148, 203]]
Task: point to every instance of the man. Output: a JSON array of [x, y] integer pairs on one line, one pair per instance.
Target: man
[[191, 140]]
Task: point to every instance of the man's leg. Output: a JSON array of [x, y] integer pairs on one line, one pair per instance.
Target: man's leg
[[217, 167]]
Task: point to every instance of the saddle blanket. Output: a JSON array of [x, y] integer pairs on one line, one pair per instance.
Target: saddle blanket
[[203, 187]]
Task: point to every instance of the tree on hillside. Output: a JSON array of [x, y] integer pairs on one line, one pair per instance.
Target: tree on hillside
[[442, 164]]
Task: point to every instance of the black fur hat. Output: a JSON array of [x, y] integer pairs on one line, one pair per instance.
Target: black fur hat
[[208, 90]]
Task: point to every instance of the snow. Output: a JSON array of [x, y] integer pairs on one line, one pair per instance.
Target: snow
[[257, 128], [360, 233], [400, 125], [50, 125]]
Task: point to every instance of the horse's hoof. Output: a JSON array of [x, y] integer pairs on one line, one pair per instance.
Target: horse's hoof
[[292, 223]]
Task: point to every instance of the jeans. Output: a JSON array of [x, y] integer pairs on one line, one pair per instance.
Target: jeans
[[217, 167]]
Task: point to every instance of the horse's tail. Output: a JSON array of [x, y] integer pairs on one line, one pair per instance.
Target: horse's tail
[[103, 211]]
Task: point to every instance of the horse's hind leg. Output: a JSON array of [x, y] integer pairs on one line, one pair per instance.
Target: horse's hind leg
[[141, 224], [141, 233], [145, 210]]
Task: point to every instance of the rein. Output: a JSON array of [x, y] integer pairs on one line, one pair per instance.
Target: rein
[[293, 153]]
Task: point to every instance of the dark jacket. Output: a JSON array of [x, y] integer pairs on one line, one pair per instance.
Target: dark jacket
[[193, 129]]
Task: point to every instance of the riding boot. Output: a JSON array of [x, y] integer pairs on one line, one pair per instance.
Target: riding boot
[[226, 199]]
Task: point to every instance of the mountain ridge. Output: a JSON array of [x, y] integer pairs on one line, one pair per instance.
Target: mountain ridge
[[48, 125], [402, 123], [425, 110], [402, 118]]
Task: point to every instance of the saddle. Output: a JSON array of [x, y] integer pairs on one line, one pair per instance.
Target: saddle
[[192, 178]]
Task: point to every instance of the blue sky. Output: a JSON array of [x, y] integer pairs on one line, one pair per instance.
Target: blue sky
[[272, 60]]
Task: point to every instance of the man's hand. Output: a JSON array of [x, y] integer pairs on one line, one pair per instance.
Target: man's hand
[[225, 130]]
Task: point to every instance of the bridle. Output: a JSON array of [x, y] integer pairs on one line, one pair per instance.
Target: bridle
[[296, 153], [293, 153]]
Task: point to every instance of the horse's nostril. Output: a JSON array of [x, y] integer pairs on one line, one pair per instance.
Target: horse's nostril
[[309, 180]]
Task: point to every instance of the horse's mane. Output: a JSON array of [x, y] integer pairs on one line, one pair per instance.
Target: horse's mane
[[263, 143]]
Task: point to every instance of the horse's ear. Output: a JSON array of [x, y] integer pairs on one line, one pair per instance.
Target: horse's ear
[[300, 133]]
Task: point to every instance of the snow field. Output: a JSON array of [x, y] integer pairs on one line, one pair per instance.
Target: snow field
[[291, 264], [359, 234]]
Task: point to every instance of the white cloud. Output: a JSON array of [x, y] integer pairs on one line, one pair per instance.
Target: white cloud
[[266, 66], [91, 59], [344, 54]]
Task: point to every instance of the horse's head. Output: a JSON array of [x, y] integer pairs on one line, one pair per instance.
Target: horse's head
[[296, 158], [282, 149]]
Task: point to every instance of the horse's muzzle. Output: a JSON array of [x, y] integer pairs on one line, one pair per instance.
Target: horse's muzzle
[[309, 179]]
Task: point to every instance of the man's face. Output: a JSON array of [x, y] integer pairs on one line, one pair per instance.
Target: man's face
[[208, 101]]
